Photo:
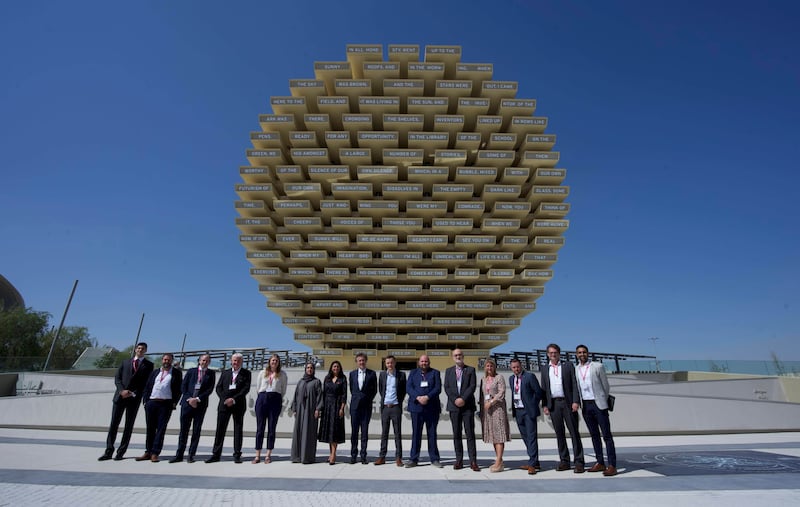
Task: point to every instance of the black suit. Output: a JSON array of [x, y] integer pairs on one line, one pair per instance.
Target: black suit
[[361, 409], [158, 411], [238, 391], [465, 415], [392, 412], [126, 379], [527, 393], [193, 416], [561, 411]]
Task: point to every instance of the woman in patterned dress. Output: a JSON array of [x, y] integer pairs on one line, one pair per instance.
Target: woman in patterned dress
[[494, 419]]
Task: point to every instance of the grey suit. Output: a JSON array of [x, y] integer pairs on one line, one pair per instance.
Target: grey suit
[[561, 410], [593, 383], [462, 416], [392, 413]]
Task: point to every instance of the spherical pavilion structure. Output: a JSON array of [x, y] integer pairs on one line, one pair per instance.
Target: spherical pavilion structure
[[402, 202]]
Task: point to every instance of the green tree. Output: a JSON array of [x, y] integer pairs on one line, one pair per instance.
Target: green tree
[[22, 333], [113, 358], [71, 343]]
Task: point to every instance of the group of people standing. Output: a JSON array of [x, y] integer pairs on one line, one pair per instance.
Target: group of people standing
[[319, 408]]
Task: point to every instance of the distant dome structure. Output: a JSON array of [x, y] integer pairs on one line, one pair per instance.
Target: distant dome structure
[[9, 295]]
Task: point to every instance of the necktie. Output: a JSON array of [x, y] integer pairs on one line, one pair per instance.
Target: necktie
[[135, 365]]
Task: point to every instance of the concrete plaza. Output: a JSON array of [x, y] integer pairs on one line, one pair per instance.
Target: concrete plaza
[[60, 467]]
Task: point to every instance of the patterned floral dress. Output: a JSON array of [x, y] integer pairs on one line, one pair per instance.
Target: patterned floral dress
[[495, 420]]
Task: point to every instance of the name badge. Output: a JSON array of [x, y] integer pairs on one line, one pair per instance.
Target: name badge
[[424, 383], [488, 397], [197, 385], [232, 386], [516, 396]]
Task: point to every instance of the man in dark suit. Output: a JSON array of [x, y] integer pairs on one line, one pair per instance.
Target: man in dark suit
[[161, 396], [424, 386], [459, 385], [561, 402], [130, 380], [526, 395], [197, 386], [392, 388], [232, 389], [363, 388]]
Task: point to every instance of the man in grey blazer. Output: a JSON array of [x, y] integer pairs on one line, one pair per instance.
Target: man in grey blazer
[[526, 395], [459, 385], [392, 388], [561, 402], [594, 391]]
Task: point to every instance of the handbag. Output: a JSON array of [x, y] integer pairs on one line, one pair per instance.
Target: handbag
[[611, 399]]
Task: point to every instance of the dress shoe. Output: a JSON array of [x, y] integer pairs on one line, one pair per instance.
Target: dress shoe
[[537, 466], [531, 470], [399, 462], [437, 464], [190, 459], [597, 467], [118, 457], [410, 464], [154, 458], [610, 471], [237, 458], [562, 466], [458, 466], [524, 467], [578, 469], [474, 466], [144, 457], [212, 459], [353, 460], [364, 461], [104, 457], [380, 461], [176, 459]]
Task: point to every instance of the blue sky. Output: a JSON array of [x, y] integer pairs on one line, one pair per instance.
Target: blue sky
[[122, 127]]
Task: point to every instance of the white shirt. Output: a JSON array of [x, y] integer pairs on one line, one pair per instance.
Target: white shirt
[[162, 388], [585, 380], [556, 387]]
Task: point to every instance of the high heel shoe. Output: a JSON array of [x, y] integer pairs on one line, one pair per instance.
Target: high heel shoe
[[332, 461], [497, 467]]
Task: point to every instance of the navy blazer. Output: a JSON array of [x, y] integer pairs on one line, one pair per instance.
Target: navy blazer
[[530, 391], [414, 389], [126, 379], [238, 393], [174, 385], [361, 399], [401, 386], [467, 393], [206, 386], [569, 381]]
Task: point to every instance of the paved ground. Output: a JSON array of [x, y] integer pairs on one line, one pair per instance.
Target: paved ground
[[48, 467]]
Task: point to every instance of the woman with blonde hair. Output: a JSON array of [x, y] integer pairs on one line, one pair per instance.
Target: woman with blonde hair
[[271, 389], [494, 418]]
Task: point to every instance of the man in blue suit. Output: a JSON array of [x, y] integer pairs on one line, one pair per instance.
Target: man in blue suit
[[423, 387], [363, 388], [197, 386], [526, 395]]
